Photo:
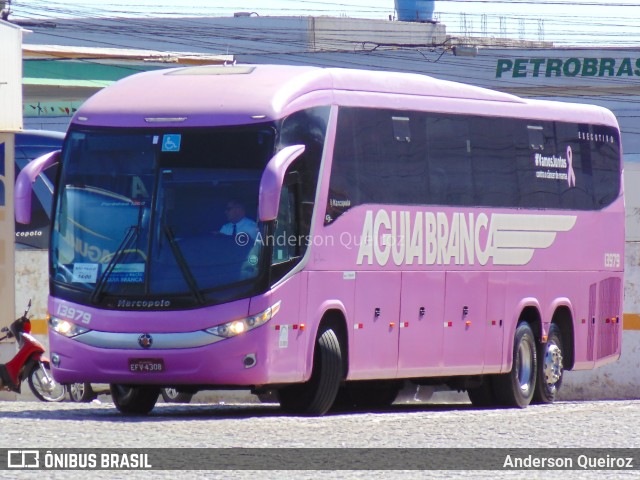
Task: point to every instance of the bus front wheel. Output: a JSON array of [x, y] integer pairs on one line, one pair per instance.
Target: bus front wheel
[[316, 396], [132, 400], [516, 388]]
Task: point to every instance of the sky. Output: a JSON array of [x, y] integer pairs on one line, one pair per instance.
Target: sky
[[576, 22]]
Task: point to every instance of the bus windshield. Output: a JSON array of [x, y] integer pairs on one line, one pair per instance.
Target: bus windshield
[[163, 216]]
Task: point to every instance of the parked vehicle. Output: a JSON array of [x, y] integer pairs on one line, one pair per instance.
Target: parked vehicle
[[31, 144], [440, 225], [29, 363]]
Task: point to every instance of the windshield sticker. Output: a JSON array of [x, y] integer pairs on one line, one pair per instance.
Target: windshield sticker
[[127, 273], [171, 142], [85, 272]]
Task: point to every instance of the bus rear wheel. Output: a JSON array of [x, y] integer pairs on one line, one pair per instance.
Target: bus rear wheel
[[550, 369], [516, 388], [134, 400], [316, 396]]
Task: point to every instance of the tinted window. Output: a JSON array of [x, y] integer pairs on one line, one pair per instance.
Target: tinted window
[[308, 128], [392, 157], [142, 212]]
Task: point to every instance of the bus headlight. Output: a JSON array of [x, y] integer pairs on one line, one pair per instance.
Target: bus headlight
[[65, 327], [236, 327]]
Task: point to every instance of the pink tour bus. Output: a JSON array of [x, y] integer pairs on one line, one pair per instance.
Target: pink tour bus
[[330, 234]]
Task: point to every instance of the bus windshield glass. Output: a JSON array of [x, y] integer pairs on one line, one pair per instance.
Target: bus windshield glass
[[160, 215]]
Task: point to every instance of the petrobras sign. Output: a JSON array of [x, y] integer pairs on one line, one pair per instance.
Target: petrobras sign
[[436, 238], [584, 67]]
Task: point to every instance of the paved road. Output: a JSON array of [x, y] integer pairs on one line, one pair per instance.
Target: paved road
[[99, 425]]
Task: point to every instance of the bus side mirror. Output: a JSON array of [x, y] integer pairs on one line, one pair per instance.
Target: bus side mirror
[[272, 180], [24, 184]]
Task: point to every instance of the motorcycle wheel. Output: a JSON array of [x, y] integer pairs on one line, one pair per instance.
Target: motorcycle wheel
[[81, 392], [42, 384]]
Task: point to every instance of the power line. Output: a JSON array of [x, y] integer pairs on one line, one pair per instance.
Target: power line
[[576, 29], [276, 45]]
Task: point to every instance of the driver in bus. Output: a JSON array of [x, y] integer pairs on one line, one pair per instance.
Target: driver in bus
[[238, 222]]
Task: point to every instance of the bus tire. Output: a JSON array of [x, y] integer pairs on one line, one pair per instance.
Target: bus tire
[[316, 396], [173, 395], [483, 396], [550, 369], [134, 400], [80, 392], [516, 388]]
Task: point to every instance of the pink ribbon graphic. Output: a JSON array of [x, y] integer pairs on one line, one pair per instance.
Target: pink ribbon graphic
[[571, 175]]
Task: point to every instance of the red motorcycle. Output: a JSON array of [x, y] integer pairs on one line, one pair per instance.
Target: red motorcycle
[[29, 363]]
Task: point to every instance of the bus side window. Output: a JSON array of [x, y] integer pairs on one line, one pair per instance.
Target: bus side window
[[494, 169], [449, 157]]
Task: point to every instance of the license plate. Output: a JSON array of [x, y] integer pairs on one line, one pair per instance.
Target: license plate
[[146, 365]]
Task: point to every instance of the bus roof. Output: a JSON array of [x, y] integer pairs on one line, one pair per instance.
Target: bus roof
[[244, 94]]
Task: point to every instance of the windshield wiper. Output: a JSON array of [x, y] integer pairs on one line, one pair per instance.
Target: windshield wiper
[[127, 241], [182, 263]]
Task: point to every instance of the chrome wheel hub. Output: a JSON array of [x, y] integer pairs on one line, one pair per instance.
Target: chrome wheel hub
[[525, 367], [77, 389], [552, 364]]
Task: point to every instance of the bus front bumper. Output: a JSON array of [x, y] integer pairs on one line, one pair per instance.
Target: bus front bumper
[[238, 361]]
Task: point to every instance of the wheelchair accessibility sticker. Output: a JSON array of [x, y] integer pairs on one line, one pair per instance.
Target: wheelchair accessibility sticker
[[171, 142]]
